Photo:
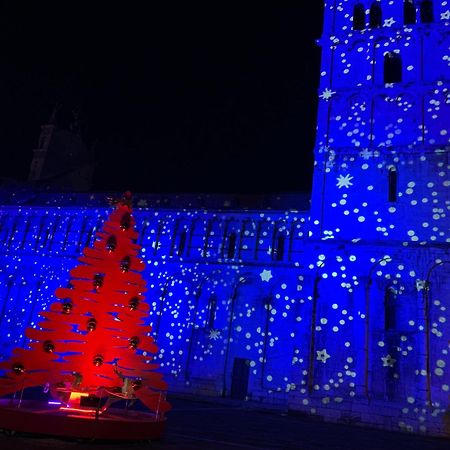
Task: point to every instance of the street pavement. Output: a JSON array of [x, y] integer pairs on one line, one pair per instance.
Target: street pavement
[[195, 424]]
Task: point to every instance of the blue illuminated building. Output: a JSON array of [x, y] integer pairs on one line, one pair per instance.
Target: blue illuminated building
[[335, 307]]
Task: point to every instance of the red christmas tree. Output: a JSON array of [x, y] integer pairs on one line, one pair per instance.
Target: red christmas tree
[[93, 340]]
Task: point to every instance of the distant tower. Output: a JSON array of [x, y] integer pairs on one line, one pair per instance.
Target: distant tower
[[62, 160], [383, 129], [40, 153]]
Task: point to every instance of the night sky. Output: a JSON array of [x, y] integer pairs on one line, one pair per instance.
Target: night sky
[[173, 96]]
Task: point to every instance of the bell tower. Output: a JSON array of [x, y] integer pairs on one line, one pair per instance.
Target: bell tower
[[383, 125], [62, 159], [40, 153]]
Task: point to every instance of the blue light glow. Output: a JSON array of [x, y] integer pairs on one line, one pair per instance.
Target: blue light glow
[[340, 310]]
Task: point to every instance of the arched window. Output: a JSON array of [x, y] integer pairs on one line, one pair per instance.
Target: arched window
[[409, 12], [392, 68], [375, 15], [278, 250], [182, 242], [231, 248], [212, 306], [359, 17], [426, 11], [390, 309], [392, 184]]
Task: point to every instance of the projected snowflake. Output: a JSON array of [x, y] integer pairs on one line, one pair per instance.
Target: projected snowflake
[[344, 181]]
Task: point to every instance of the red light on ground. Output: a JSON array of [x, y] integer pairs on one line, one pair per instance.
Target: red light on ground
[[74, 403]]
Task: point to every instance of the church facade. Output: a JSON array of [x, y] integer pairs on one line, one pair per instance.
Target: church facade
[[337, 307]]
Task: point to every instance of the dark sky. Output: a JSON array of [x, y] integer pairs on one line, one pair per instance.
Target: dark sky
[[213, 96]]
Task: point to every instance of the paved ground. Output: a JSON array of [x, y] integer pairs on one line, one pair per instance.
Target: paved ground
[[199, 425]]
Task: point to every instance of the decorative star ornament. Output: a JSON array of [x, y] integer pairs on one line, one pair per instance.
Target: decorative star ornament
[[266, 275], [388, 361], [322, 355], [389, 22], [366, 153], [214, 334], [327, 94], [445, 15], [344, 181]]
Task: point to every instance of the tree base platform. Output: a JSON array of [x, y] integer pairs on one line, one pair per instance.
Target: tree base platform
[[114, 424]]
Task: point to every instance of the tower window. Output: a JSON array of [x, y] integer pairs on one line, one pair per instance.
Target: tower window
[[392, 68], [278, 251], [375, 15], [231, 245], [359, 17], [212, 306], [426, 11], [182, 242], [409, 12], [392, 185], [390, 319]]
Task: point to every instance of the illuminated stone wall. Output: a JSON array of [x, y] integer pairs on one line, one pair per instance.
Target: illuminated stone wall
[[327, 327], [210, 279], [380, 203], [340, 310]]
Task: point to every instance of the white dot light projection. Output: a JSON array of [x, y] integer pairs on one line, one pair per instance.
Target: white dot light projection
[[339, 311]]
